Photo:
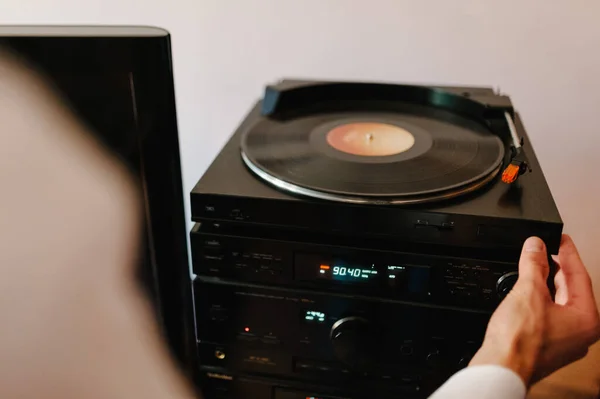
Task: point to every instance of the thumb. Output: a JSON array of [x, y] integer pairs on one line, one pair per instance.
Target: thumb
[[533, 265]]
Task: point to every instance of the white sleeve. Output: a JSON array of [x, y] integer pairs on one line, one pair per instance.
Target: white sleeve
[[482, 382]]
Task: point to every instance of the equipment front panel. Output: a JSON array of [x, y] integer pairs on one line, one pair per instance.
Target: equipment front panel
[[333, 339], [439, 280], [222, 384], [408, 225]]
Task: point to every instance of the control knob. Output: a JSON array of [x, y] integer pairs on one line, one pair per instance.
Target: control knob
[[354, 342], [506, 283], [434, 358], [465, 359]]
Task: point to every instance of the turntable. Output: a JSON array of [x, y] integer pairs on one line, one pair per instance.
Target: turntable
[[353, 239], [415, 163]]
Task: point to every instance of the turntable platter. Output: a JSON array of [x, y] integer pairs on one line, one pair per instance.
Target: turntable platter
[[414, 154]]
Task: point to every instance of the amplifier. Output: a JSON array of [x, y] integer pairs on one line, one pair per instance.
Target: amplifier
[[352, 265], [352, 341], [224, 384]]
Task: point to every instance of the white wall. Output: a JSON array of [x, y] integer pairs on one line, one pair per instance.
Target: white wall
[[545, 54]]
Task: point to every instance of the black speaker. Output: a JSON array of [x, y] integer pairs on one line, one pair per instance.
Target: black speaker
[[119, 81]]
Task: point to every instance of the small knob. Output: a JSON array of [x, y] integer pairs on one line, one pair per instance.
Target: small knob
[[353, 342], [220, 354], [434, 358], [465, 359], [506, 283]]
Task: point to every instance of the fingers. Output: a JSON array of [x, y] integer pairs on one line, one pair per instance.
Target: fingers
[[533, 265], [562, 296], [574, 285]]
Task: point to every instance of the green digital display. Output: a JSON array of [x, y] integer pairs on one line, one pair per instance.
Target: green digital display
[[314, 316]]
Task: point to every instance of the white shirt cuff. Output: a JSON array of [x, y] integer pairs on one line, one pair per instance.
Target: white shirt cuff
[[482, 382]]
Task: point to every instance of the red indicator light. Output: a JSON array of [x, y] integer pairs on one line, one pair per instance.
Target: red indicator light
[[247, 329]]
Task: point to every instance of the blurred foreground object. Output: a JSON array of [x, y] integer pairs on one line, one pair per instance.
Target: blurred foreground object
[[71, 218]]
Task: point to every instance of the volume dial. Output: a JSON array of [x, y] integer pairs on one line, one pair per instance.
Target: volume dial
[[506, 283], [354, 342]]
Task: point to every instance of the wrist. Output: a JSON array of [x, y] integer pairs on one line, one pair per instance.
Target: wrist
[[511, 355]]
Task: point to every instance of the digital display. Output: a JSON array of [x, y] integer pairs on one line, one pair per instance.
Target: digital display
[[314, 316], [345, 272], [340, 272], [394, 275]]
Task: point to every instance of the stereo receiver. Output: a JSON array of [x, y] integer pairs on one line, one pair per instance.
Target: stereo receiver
[[349, 267]]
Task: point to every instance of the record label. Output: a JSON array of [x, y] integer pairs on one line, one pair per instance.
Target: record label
[[370, 139]]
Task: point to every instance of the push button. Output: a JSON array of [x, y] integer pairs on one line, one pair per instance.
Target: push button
[[212, 243], [218, 314], [270, 340], [265, 265], [314, 366], [447, 226], [247, 337], [304, 366], [434, 358], [236, 214], [408, 378], [213, 255], [407, 350]]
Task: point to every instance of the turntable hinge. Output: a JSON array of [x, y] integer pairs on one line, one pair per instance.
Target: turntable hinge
[[518, 160]]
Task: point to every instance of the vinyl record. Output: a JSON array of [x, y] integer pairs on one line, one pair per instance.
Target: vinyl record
[[417, 154]]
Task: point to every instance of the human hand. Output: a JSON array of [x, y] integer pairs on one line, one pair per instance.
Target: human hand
[[534, 335]]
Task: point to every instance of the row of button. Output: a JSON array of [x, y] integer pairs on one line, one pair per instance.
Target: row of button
[[258, 267], [263, 257], [464, 272], [257, 262], [213, 256], [328, 370], [465, 283], [315, 366], [218, 314], [214, 245], [421, 223], [470, 293], [265, 339]]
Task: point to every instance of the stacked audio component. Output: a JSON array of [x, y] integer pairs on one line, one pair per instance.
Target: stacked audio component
[[353, 239]]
